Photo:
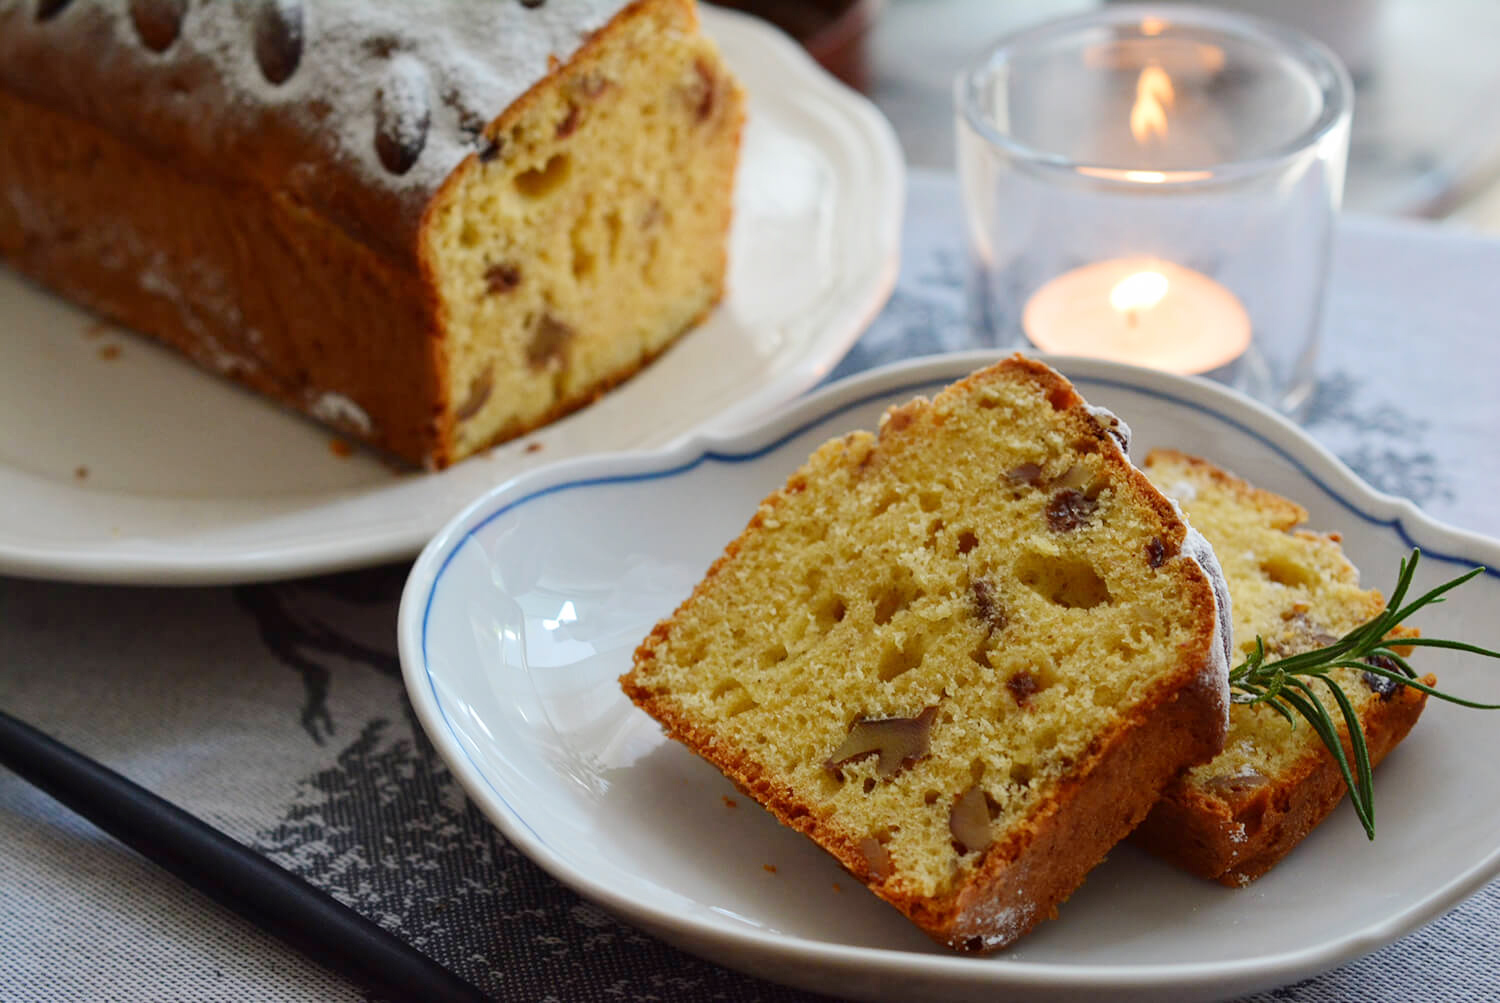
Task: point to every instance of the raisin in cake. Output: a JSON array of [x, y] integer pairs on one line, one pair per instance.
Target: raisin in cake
[[964, 656], [434, 224], [1233, 818]]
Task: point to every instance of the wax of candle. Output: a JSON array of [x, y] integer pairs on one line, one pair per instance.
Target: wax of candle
[[1142, 311]]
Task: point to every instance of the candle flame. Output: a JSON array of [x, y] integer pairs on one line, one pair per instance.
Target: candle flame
[[1153, 96], [1140, 291]]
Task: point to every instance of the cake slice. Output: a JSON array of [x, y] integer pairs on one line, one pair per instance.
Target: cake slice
[[1233, 818], [964, 656]]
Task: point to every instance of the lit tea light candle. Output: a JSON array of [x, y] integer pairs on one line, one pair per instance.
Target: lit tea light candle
[[1102, 153], [1141, 311]]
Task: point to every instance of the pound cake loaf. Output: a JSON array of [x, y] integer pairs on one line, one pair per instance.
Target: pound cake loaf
[[433, 224], [964, 655], [1233, 818]]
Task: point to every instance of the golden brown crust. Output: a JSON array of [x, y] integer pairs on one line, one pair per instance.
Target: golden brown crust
[[1235, 841], [248, 284]]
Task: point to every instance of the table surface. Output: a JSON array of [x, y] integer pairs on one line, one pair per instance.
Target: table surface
[[276, 712]]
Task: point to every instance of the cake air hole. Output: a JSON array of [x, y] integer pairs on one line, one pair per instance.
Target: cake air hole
[[772, 656], [583, 258], [888, 602], [896, 662], [612, 228], [1287, 572], [1062, 581], [540, 182], [830, 611], [724, 687], [739, 701]]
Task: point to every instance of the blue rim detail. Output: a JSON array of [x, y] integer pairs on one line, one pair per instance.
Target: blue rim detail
[[903, 389]]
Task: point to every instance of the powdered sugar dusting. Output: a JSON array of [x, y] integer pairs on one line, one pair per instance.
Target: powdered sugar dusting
[[1184, 491], [339, 411], [33, 217], [402, 114], [1216, 672], [461, 62], [205, 307], [1000, 923], [293, 93], [1113, 424]]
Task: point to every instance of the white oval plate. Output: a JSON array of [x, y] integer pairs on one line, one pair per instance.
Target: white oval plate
[[142, 469], [519, 616]]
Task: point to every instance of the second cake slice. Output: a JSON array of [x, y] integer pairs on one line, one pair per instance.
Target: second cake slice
[[1233, 818], [964, 656]]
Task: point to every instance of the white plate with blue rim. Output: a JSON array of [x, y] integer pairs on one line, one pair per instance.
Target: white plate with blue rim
[[520, 615], [149, 471]]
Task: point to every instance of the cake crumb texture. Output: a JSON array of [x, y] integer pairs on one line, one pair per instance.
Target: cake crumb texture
[[596, 232], [963, 654]]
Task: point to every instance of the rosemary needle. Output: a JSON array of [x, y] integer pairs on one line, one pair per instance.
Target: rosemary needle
[[1287, 685]]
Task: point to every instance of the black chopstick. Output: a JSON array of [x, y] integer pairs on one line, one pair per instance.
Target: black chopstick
[[233, 875]]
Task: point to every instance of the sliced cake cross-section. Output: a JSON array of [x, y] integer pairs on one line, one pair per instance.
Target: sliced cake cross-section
[[964, 655]]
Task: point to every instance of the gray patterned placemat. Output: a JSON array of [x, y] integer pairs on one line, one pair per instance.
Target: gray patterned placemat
[[276, 712]]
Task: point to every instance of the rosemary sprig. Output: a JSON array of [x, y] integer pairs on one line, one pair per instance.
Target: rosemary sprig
[[1286, 685]]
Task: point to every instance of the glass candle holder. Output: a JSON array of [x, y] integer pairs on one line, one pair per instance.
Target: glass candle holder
[[1157, 185]]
